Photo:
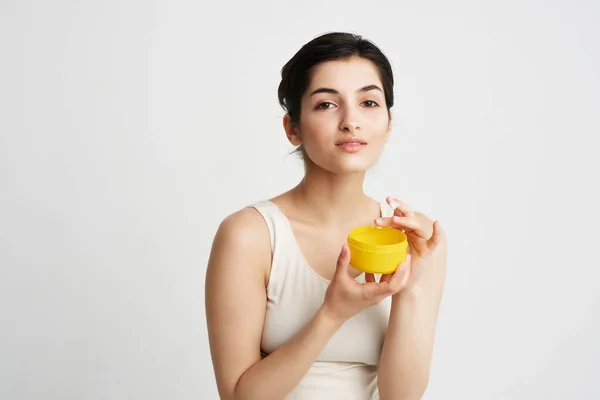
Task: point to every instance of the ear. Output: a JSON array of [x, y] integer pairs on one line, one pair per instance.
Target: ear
[[389, 129], [291, 131]]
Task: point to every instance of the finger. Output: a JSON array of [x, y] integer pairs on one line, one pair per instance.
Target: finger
[[392, 283], [369, 277], [413, 225], [374, 291], [400, 276], [380, 291], [396, 222], [407, 224], [436, 238], [400, 206], [343, 262]]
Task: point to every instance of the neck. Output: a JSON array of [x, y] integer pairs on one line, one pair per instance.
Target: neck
[[332, 198]]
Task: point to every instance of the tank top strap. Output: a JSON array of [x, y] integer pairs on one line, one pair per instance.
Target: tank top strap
[[269, 214], [283, 249]]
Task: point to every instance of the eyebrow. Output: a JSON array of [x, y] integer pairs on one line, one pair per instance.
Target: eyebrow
[[333, 91]]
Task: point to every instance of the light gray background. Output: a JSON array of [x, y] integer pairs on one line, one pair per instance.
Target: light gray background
[[130, 129]]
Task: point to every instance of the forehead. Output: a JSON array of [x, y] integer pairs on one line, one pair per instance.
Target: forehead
[[345, 75]]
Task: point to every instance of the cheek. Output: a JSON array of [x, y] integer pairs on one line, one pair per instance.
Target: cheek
[[316, 128], [382, 116], [379, 127]]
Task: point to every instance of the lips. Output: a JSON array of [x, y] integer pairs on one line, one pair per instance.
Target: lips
[[351, 145], [354, 140]]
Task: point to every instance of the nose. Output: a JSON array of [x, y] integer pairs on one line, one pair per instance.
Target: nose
[[349, 122]]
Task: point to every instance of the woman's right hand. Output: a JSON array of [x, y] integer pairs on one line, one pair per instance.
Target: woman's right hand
[[346, 297]]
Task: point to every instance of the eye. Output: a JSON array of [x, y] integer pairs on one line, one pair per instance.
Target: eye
[[370, 103], [324, 105]]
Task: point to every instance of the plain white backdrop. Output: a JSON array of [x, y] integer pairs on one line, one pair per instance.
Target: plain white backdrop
[[130, 129]]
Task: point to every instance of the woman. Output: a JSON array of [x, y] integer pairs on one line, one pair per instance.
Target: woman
[[287, 316]]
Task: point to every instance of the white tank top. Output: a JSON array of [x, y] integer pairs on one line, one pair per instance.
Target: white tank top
[[347, 366]]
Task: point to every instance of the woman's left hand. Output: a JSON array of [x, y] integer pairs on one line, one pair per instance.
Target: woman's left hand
[[424, 235]]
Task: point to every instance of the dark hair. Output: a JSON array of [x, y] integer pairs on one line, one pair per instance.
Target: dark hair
[[296, 73]]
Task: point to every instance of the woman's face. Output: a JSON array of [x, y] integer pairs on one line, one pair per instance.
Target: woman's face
[[344, 122]]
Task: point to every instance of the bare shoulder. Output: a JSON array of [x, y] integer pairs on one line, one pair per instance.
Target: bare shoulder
[[243, 234], [235, 296], [246, 225]]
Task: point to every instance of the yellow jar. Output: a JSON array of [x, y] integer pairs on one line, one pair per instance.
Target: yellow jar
[[377, 250]]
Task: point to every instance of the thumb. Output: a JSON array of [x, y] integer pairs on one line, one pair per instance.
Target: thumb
[[401, 275], [343, 261], [436, 238]]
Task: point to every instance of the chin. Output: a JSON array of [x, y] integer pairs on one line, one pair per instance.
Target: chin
[[347, 166], [345, 163]]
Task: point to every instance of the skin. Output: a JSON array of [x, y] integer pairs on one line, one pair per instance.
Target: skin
[[326, 204]]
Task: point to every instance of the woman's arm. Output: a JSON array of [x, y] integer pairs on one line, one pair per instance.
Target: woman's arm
[[407, 351], [235, 310]]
